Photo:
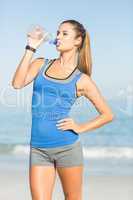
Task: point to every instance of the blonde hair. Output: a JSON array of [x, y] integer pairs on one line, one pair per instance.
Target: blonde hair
[[85, 58]]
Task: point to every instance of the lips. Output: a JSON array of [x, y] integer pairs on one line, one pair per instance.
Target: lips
[[58, 43]]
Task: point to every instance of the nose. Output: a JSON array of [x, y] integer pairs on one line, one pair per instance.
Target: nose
[[58, 36]]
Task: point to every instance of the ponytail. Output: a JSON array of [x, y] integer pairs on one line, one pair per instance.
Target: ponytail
[[85, 59]]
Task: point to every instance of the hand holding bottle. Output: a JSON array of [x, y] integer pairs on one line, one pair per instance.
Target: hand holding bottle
[[37, 35]]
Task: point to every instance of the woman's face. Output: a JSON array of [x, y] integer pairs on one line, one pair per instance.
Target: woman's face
[[66, 40]]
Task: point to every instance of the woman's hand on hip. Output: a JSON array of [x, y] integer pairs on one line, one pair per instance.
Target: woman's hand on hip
[[69, 123]]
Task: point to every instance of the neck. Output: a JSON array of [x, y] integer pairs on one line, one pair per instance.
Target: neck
[[69, 59]]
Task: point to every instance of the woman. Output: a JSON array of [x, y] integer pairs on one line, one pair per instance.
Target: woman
[[55, 142]]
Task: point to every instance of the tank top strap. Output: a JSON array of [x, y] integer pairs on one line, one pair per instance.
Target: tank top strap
[[44, 65], [78, 75]]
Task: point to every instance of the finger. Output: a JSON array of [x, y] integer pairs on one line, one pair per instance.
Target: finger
[[63, 123], [65, 119], [43, 38], [63, 127]]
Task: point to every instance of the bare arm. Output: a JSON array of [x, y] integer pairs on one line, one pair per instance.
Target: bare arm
[[91, 92], [26, 70]]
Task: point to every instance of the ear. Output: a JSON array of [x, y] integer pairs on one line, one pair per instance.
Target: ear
[[78, 41]]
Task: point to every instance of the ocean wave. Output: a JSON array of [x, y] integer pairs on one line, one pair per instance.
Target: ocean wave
[[108, 152], [89, 152], [21, 149], [14, 149]]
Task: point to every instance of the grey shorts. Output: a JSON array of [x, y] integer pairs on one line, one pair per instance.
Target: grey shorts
[[64, 156]]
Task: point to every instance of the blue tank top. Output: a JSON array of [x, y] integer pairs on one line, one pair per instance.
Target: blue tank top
[[52, 99]]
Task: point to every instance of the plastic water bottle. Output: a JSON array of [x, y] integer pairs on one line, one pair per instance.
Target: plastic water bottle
[[37, 32]]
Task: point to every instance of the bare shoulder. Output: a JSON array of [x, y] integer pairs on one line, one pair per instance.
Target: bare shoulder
[[38, 62], [85, 80]]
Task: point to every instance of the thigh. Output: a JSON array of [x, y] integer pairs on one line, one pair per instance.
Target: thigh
[[69, 165], [42, 179], [70, 155], [42, 174], [72, 181]]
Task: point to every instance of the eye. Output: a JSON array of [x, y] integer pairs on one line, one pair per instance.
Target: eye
[[59, 32]]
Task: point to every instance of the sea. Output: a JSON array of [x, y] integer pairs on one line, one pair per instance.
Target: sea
[[108, 150]]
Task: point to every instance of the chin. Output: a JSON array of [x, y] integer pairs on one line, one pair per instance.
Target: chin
[[60, 49]]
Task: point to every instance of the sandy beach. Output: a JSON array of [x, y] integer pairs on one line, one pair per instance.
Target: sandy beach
[[14, 185]]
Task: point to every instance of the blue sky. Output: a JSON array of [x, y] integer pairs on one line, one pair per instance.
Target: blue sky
[[109, 24]]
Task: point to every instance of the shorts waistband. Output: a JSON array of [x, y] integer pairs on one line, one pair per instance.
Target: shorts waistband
[[59, 147]]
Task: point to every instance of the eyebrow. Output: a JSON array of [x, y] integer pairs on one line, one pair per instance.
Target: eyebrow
[[62, 31]]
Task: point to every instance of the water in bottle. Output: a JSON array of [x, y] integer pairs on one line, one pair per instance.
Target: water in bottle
[[37, 32]]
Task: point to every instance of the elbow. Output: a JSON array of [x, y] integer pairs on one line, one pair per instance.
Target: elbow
[[110, 117], [16, 86]]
